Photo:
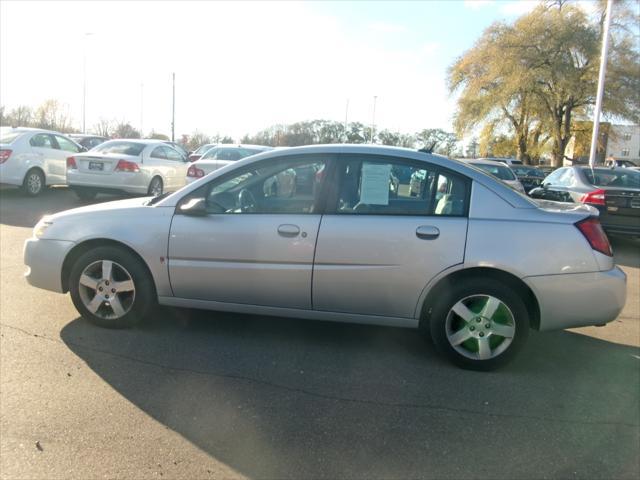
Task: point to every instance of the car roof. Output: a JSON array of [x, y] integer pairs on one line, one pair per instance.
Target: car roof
[[31, 130], [85, 135], [497, 186], [147, 141], [485, 161]]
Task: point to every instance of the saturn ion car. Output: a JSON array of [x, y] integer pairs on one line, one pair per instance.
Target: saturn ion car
[[466, 261]]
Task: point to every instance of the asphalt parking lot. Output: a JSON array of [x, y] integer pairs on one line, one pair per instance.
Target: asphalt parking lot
[[207, 395]]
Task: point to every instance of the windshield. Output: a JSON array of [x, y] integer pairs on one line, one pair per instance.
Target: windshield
[[203, 148], [9, 137], [120, 148], [601, 177], [502, 172]]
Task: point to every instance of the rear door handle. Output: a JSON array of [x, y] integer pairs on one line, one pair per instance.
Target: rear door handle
[[288, 230], [427, 232]]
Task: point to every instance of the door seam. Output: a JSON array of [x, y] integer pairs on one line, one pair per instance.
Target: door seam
[[313, 263]]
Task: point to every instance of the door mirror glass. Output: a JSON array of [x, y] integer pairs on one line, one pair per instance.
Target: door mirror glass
[[196, 207]]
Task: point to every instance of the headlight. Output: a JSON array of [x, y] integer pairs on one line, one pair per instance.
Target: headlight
[[41, 227]]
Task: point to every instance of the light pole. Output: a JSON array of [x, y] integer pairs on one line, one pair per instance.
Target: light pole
[[173, 109], [603, 70], [346, 117], [84, 81], [141, 108], [373, 119]]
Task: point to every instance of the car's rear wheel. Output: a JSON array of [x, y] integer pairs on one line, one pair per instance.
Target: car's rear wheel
[[34, 182], [85, 193], [480, 324], [155, 187], [111, 288]]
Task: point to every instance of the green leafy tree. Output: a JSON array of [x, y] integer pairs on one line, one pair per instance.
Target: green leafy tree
[[125, 130]]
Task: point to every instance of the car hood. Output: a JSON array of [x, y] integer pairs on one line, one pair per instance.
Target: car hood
[[127, 204]]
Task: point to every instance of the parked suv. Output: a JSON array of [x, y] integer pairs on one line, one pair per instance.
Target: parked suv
[[32, 158]]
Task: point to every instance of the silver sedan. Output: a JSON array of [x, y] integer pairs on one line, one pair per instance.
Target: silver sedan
[[463, 258]]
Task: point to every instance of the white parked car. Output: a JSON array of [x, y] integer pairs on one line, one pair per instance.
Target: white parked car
[[144, 167], [500, 170], [32, 158], [324, 233], [220, 156]]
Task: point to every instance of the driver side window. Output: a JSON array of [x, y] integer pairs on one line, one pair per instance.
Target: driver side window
[[286, 185]]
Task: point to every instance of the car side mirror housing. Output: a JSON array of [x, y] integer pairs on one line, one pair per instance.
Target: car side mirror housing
[[83, 149], [196, 207], [545, 185]]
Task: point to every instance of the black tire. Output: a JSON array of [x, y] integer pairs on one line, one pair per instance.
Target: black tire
[[155, 187], [85, 193], [34, 182], [140, 302], [471, 290]]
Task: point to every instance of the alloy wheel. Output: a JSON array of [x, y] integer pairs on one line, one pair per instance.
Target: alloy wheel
[[480, 327], [34, 183], [106, 289]]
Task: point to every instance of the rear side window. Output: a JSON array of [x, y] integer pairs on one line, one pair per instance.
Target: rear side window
[[501, 171], [231, 154], [388, 186], [42, 140], [66, 144]]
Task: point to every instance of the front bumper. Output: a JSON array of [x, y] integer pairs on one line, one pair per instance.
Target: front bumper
[[579, 299], [44, 259]]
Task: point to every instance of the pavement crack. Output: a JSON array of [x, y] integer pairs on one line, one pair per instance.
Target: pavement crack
[[335, 398]]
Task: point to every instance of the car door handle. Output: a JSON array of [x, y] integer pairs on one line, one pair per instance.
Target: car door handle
[[288, 230], [427, 232]]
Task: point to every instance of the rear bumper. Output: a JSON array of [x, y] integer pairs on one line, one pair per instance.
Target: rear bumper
[[117, 181], [44, 259], [630, 230], [579, 299]]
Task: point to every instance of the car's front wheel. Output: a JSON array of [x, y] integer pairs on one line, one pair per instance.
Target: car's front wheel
[[155, 187], [479, 324], [111, 288]]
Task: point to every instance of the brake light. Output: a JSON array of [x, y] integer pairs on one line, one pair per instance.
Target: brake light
[[594, 198], [593, 232], [71, 163], [126, 166], [195, 172], [4, 155]]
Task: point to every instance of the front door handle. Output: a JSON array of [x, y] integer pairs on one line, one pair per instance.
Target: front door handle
[[288, 230], [427, 232]]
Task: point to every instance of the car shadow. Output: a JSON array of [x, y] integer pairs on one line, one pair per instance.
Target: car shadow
[[20, 210], [283, 398], [626, 251]]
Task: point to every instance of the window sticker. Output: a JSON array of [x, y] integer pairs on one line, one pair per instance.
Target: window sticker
[[374, 187]]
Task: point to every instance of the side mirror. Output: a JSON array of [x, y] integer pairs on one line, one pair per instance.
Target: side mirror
[[83, 149], [196, 207], [545, 185]]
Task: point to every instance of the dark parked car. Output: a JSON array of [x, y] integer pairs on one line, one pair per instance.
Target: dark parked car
[[87, 141], [180, 148], [530, 177], [615, 192]]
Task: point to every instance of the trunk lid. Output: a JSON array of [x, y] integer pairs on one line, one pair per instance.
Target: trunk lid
[[101, 164]]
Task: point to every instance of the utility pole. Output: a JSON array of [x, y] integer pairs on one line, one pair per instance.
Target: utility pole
[[346, 117], [373, 119], [84, 82], [603, 70], [173, 110], [141, 109]]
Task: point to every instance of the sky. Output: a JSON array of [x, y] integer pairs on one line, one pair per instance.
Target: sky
[[243, 66]]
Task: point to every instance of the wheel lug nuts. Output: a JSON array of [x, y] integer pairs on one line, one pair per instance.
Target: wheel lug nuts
[[472, 328], [113, 290], [487, 326], [107, 282], [106, 296], [482, 334], [478, 320]]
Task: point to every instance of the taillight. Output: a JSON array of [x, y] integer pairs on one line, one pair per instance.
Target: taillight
[[126, 166], [594, 198], [195, 172], [4, 155], [593, 232], [71, 163]]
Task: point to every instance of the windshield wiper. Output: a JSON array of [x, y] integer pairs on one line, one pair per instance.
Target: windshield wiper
[[155, 200]]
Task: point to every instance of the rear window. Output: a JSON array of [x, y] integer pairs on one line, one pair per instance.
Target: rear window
[[613, 178], [203, 148], [9, 137], [120, 148], [503, 173], [527, 172]]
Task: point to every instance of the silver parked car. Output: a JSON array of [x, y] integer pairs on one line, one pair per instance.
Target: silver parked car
[[464, 261], [143, 167], [220, 156]]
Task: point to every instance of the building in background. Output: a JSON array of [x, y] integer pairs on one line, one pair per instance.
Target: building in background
[[617, 142]]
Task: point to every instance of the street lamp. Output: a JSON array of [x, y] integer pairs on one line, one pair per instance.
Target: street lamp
[[84, 81], [373, 119]]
